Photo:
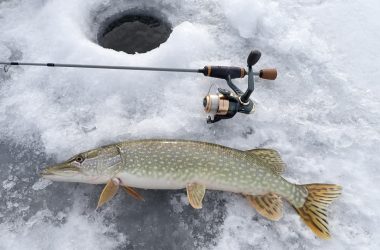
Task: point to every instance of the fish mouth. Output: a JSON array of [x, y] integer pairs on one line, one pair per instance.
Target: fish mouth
[[59, 170], [45, 172]]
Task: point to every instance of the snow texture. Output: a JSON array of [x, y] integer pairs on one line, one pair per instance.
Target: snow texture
[[322, 114]]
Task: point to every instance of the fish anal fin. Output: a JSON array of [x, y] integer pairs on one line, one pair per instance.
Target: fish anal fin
[[132, 192], [271, 157], [314, 210], [195, 194], [268, 205], [109, 191]]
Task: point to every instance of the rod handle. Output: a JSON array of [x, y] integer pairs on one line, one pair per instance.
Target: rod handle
[[223, 72], [269, 74]]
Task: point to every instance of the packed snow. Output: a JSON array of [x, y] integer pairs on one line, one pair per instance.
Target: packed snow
[[322, 114]]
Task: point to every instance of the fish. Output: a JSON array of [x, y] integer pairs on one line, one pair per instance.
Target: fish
[[197, 166]]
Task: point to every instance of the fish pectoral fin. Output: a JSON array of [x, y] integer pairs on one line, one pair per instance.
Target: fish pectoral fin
[[109, 191], [195, 194], [132, 192], [268, 205], [271, 157]]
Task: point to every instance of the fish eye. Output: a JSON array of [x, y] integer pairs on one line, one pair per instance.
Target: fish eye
[[79, 159]]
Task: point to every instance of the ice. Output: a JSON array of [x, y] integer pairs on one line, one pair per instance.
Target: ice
[[63, 231], [41, 184], [322, 114]]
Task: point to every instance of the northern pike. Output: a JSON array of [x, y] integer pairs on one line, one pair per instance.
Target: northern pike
[[195, 166]]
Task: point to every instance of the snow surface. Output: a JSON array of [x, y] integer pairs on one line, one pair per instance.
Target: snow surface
[[322, 114]]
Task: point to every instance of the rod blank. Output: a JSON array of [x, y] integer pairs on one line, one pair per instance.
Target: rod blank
[[101, 67]]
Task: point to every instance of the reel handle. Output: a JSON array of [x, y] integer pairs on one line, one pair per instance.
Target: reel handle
[[268, 74], [253, 58]]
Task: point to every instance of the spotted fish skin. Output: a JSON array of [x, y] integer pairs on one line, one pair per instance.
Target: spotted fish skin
[[172, 164], [197, 166]]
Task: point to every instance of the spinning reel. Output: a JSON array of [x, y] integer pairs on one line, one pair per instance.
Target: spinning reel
[[223, 105]]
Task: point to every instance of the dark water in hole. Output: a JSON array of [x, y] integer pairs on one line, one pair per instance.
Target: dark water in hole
[[135, 33]]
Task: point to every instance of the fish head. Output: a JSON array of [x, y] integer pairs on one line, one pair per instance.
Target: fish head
[[95, 166]]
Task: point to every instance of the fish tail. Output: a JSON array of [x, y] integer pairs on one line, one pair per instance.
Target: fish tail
[[313, 212]]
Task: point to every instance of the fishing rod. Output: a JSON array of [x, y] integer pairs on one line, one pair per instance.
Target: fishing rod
[[222, 105]]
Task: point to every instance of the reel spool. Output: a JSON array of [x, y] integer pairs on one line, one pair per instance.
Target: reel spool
[[225, 104]]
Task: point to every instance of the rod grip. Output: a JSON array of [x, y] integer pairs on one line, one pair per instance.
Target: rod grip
[[224, 71], [269, 74]]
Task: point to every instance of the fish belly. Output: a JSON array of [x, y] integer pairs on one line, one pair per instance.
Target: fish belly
[[150, 182]]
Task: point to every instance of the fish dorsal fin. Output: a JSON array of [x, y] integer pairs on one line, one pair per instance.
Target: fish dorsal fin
[[269, 205], [109, 191], [195, 194], [132, 192], [271, 157]]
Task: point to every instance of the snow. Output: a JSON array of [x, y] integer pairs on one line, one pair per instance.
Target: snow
[[77, 232], [322, 114]]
